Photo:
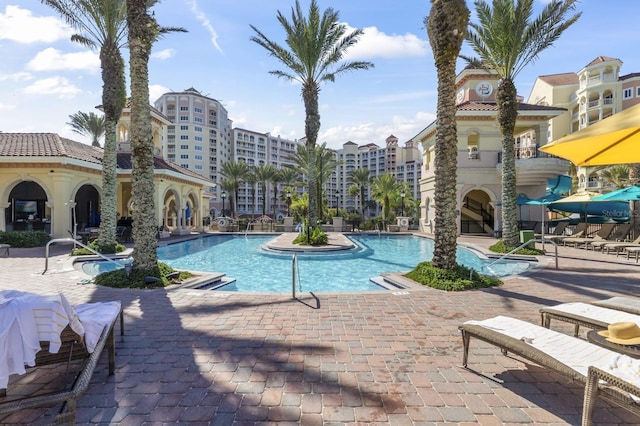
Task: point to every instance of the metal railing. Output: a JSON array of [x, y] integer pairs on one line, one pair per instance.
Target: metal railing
[[526, 243], [294, 268], [75, 242]]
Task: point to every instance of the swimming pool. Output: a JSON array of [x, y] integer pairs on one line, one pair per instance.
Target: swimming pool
[[258, 270]]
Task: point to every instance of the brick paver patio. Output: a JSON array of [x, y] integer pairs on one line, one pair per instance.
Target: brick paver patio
[[386, 358]]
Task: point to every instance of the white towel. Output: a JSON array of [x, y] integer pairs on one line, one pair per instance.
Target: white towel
[[94, 317]]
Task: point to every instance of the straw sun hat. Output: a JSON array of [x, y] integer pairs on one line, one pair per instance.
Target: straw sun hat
[[623, 333]]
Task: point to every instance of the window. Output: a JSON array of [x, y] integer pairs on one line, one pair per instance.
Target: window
[[184, 156], [184, 118], [198, 157], [638, 92], [198, 138], [197, 129], [184, 137], [184, 108], [197, 148], [197, 119], [198, 110], [198, 166], [627, 94], [184, 146], [184, 166], [184, 127]]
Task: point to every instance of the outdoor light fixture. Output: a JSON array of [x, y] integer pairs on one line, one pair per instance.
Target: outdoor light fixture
[[128, 267], [402, 195], [288, 204], [223, 196]]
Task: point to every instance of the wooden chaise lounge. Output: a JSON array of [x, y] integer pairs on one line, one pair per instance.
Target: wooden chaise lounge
[[73, 348], [576, 359]]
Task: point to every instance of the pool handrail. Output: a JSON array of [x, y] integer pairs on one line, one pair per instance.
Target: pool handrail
[[74, 241], [526, 243]]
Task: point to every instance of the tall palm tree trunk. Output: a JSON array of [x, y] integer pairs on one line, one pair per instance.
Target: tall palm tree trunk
[[446, 26], [311, 128], [113, 101], [506, 97], [143, 31]]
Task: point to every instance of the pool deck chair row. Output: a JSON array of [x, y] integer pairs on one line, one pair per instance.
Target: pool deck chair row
[[606, 374]]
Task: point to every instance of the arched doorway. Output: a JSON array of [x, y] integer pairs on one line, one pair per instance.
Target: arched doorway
[[27, 208], [87, 210], [477, 215]]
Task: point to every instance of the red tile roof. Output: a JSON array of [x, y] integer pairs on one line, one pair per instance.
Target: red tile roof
[[52, 145], [560, 79], [601, 59], [492, 106]]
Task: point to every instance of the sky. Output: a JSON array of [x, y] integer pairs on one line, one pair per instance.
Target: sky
[[44, 77]]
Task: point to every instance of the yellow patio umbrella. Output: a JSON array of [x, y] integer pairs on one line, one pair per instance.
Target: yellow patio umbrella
[[614, 140]]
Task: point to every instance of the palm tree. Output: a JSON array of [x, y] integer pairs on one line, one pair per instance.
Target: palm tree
[[275, 180], [506, 41], [361, 178], [143, 32], [617, 175], [325, 165], [316, 48], [264, 174], [446, 27], [289, 176], [251, 181], [101, 25], [227, 186], [236, 173], [384, 188], [88, 124]]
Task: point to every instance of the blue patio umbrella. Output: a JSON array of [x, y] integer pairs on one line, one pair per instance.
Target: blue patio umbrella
[[586, 205], [630, 193], [187, 213]]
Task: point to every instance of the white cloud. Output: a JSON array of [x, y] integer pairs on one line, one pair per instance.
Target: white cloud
[[155, 91], [164, 54], [374, 43], [206, 23], [51, 59], [60, 86], [17, 76], [21, 26], [6, 107]]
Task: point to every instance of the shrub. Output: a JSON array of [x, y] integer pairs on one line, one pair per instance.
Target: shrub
[[106, 249], [137, 278], [528, 250], [459, 279], [24, 239], [317, 238]]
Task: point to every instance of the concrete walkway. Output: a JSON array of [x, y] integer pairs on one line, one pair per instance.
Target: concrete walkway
[[385, 358]]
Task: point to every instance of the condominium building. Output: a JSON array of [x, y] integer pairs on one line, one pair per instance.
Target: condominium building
[[199, 136], [260, 149], [595, 92], [403, 162]]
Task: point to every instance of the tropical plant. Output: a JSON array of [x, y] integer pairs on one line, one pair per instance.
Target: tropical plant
[[289, 176], [325, 166], [236, 173], [227, 186], [446, 27], [361, 179], [101, 25], [88, 124], [384, 188], [506, 41], [316, 45], [275, 180], [264, 174], [617, 175], [143, 32], [251, 181]]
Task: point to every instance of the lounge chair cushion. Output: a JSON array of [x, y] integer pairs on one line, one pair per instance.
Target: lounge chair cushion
[[603, 316], [576, 354]]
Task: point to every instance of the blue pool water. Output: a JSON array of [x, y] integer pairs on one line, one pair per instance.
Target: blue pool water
[[258, 270]]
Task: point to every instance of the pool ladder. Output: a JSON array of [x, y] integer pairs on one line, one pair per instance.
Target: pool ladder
[[294, 271]]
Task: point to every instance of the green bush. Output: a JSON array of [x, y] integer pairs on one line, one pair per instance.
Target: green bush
[[24, 238], [528, 250], [106, 249], [120, 279], [317, 238], [459, 279]]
